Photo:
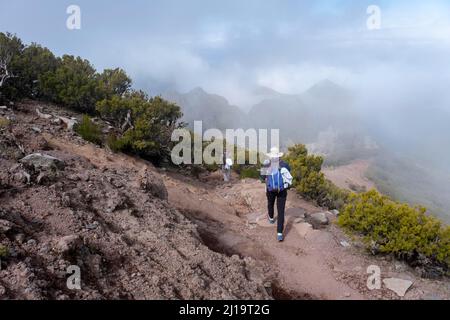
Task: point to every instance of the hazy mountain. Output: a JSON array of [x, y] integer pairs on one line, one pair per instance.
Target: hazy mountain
[[304, 117], [212, 109], [402, 141]]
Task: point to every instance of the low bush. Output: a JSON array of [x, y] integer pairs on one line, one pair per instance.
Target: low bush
[[310, 182], [114, 143], [146, 124], [249, 172], [4, 123], [89, 131], [396, 228], [4, 252]]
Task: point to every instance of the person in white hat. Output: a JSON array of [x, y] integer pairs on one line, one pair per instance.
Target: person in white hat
[[278, 180], [226, 167]]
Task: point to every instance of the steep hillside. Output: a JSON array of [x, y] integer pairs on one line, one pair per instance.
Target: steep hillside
[[71, 203], [138, 232]]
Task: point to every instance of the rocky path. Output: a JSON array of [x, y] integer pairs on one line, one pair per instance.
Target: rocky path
[[314, 262]]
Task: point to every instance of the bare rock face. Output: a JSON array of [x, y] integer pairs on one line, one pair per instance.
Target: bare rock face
[[152, 183], [114, 223]]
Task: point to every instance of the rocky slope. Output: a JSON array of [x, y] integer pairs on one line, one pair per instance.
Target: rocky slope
[[110, 218]]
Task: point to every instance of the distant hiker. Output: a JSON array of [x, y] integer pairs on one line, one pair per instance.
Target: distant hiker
[[226, 169], [278, 180]]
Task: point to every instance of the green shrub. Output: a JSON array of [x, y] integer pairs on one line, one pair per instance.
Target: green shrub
[[113, 83], [249, 172], [395, 227], [89, 131], [4, 252], [114, 143], [4, 123], [73, 84], [310, 182], [151, 123], [33, 63]]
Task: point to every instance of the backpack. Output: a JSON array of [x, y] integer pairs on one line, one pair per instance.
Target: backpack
[[275, 182]]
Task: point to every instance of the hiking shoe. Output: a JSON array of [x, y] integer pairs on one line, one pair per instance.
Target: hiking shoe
[[271, 220], [280, 237]]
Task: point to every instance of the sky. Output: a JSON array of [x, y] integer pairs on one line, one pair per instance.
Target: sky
[[231, 47]]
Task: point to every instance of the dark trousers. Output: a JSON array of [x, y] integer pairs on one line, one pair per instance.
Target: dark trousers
[[280, 198]]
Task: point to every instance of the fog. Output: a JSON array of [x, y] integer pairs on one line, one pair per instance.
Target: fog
[[398, 75]]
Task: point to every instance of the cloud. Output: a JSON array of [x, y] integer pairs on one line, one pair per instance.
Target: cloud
[[230, 47]]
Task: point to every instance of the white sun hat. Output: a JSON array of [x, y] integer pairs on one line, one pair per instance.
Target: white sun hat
[[275, 153]]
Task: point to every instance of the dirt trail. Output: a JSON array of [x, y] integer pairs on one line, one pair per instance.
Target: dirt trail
[[302, 264], [316, 264], [351, 176]]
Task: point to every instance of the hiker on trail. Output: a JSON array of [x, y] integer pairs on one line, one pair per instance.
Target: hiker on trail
[[278, 180], [226, 168]]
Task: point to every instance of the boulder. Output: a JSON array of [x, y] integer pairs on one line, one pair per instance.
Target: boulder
[[399, 286], [40, 161], [319, 218], [295, 212], [152, 183]]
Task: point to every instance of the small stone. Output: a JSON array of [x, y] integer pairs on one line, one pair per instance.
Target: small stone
[[2, 291], [335, 212], [43, 115], [344, 243], [56, 121], [399, 286], [92, 226], [36, 129], [31, 242]]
